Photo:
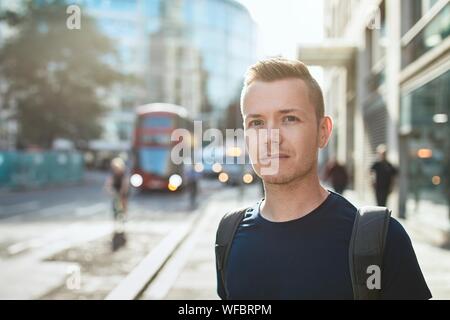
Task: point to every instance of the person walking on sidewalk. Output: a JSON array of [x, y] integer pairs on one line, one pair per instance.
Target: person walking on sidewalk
[[295, 242], [337, 175], [383, 174], [193, 180], [117, 185]]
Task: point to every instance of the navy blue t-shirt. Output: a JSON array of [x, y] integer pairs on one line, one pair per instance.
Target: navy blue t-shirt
[[307, 258]]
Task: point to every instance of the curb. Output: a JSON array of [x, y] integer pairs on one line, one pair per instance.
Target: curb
[[136, 282]]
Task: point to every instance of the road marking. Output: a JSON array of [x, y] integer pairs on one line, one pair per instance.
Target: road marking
[[18, 208], [41, 241], [74, 232], [56, 210], [43, 212], [90, 210], [25, 245]]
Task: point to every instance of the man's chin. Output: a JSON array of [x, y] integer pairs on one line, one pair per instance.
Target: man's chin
[[278, 179]]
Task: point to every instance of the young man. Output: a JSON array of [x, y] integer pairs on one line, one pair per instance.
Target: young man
[[294, 243]]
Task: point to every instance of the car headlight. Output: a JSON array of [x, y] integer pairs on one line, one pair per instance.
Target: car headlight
[[198, 167], [247, 178], [223, 177], [234, 152], [175, 180], [136, 180], [217, 167], [171, 187]]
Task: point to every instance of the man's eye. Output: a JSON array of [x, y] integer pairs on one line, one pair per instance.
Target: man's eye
[[255, 123], [290, 119]]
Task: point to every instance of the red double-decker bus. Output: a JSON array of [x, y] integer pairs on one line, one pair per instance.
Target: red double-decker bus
[[152, 145]]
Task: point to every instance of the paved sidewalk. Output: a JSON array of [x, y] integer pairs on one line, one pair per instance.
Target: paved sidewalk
[[190, 273]]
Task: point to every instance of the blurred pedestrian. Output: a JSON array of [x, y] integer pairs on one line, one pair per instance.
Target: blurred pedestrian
[[337, 175], [383, 174], [193, 180], [117, 185]]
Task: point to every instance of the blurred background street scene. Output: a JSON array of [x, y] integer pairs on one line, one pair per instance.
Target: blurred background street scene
[[92, 205]]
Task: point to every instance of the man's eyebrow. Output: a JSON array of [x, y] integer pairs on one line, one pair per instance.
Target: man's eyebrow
[[284, 111], [253, 115]]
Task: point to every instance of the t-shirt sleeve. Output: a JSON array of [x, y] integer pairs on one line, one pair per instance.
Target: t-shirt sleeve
[[402, 278]]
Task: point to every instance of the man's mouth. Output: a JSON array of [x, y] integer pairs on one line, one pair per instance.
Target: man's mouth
[[279, 156]]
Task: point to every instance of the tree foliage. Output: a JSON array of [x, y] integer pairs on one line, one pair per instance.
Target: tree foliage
[[55, 76]]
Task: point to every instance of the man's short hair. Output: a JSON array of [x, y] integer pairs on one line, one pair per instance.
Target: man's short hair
[[278, 68]]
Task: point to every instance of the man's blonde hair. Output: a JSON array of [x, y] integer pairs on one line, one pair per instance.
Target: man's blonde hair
[[278, 68]]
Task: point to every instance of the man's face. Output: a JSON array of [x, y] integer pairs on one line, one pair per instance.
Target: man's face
[[283, 107]]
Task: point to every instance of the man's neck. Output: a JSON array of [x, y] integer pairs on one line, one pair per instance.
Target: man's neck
[[285, 202]]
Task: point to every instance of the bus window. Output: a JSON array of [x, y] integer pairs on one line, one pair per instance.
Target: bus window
[[161, 139], [154, 160], [157, 122]]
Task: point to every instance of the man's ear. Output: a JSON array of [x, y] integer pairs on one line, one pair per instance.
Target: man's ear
[[325, 130]]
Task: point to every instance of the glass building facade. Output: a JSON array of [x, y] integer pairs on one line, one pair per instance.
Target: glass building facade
[[220, 32], [431, 36], [424, 118], [225, 35], [395, 74], [425, 107]]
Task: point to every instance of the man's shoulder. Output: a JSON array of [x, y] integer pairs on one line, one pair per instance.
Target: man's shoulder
[[397, 234], [342, 203], [236, 211], [229, 223], [234, 214]]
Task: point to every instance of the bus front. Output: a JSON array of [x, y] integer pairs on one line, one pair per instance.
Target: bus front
[[152, 145]]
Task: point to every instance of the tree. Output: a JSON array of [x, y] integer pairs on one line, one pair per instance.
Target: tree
[[55, 77]]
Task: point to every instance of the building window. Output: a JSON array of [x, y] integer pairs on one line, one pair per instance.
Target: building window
[[425, 123], [431, 36]]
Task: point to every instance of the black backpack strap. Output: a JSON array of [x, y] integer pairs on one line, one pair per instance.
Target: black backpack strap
[[366, 248], [224, 237]]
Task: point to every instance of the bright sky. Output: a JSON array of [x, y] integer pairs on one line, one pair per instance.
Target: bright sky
[[284, 24]]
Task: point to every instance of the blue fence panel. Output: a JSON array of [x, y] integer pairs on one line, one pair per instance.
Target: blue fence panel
[[35, 169]]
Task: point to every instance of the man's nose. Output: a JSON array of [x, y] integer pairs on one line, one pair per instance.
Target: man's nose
[[272, 138]]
